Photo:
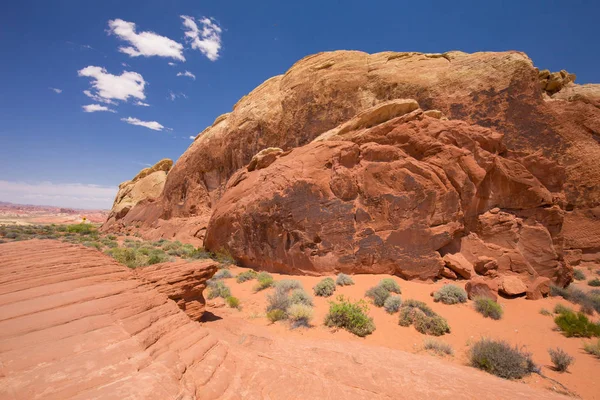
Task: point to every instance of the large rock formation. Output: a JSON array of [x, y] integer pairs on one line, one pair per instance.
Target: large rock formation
[[148, 184], [539, 140], [74, 324]]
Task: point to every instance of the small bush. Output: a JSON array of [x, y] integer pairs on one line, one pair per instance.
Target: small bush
[[587, 308], [278, 300], [576, 325], [276, 315], [299, 296], [94, 245], [350, 316], [288, 284], [592, 348], [378, 294], [560, 359], [488, 308], [390, 285], [246, 276], [325, 288], [232, 302], [545, 312], [439, 348], [594, 282], [223, 274], [560, 309], [111, 237], [265, 280], [424, 319], [224, 257], [344, 280], [300, 315], [500, 359], [157, 257], [218, 289], [450, 294], [392, 304], [199, 254], [82, 228], [578, 275]]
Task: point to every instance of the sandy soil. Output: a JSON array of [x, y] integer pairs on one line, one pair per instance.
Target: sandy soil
[[521, 325]]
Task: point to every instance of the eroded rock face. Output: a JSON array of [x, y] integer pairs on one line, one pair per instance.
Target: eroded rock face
[[551, 137], [386, 197], [146, 185]]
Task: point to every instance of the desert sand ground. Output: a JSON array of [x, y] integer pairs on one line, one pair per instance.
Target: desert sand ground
[[521, 325]]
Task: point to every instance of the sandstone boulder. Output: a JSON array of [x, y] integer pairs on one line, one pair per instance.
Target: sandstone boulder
[[512, 286], [480, 287], [264, 158], [459, 264], [539, 288]]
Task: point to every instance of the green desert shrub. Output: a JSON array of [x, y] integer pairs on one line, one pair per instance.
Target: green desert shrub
[[276, 315], [94, 245], [437, 347], [450, 294], [199, 254], [578, 275], [392, 304], [560, 359], [264, 281], [126, 256], [300, 315], [594, 282], [488, 308], [344, 280], [278, 300], [501, 359], [111, 237], [378, 294], [299, 296], [390, 285], [246, 276], [82, 228], [350, 316], [111, 244], [424, 319], [224, 257], [156, 257], [218, 288], [288, 284], [223, 274], [325, 287], [574, 295], [561, 309], [576, 325], [232, 302], [592, 348]]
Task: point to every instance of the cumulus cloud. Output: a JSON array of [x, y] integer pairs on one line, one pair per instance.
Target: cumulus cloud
[[188, 74], [109, 87], [58, 91], [192, 137], [172, 64], [207, 39], [75, 195], [146, 124], [141, 104], [145, 44], [95, 108]]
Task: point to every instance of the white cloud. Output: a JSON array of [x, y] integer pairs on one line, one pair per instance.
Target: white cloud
[[141, 104], [59, 91], [125, 64], [207, 39], [172, 64], [95, 108], [75, 195], [172, 96], [145, 44], [192, 137], [188, 74], [146, 124], [111, 87]]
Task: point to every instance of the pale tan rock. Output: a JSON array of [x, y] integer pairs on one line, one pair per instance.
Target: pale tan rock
[[264, 158], [512, 286]]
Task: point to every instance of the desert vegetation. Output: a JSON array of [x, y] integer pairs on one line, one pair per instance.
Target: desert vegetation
[[424, 319], [488, 308], [351, 316], [290, 301], [450, 294], [501, 359], [437, 347], [325, 288], [344, 280], [560, 359]]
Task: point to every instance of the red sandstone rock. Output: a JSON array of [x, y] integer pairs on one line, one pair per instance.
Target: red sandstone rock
[[512, 286], [459, 264], [480, 287], [448, 273], [539, 288]]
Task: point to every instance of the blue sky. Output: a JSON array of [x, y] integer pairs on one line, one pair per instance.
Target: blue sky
[[54, 152]]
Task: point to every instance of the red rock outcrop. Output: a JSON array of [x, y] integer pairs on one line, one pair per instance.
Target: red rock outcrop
[[544, 170], [387, 196], [74, 324]]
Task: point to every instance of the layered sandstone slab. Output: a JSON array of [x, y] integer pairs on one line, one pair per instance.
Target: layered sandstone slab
[[74, 324]]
